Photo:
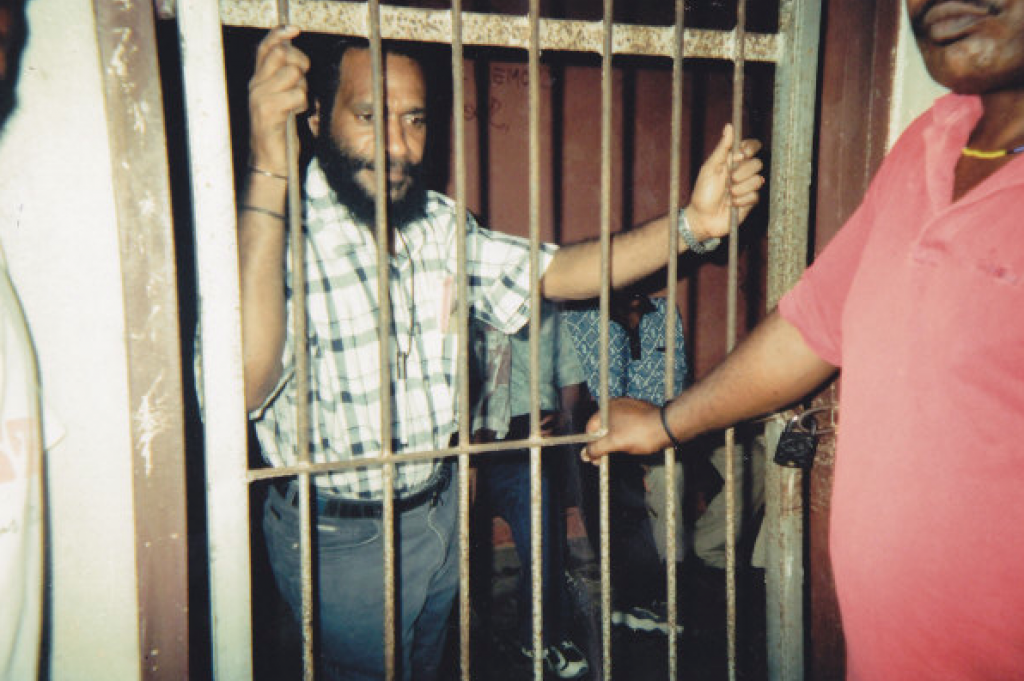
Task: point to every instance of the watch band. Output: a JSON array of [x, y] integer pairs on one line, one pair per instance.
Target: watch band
[[688, 237]]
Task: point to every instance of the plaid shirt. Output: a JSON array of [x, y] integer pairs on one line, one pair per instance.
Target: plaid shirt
[[345, 355]]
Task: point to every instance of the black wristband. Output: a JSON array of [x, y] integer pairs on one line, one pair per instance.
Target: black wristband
[[664, 424]]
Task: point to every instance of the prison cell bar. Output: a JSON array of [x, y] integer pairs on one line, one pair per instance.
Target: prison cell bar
[[730, 342], [675, 173], [536, 487], [500, 30], [384, 320], [465, 412], [794, 105], [799, 15], [297, 250], [604, 469]]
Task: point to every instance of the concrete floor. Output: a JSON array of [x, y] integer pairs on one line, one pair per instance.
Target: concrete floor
[[701, 651]]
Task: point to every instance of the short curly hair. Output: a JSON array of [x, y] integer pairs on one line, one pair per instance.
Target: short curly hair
[[326, 52]]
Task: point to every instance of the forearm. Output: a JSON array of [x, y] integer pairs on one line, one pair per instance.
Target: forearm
[[575, 271], [261, 247], [770, 369], [277, 91], [773, 367]]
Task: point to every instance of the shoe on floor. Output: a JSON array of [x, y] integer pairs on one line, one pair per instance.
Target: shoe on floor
[[650, 619], [565, 660]]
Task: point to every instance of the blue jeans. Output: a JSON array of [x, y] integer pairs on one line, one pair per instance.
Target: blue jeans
[[349, 570], [503, 486]]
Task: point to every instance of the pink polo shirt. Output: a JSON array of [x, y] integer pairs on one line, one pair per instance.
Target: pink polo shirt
[[920, 301]]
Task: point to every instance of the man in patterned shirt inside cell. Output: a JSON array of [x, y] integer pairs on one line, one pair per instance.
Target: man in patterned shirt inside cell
[[342, 309]]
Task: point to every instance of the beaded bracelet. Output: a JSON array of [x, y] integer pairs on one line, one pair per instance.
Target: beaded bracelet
[[664, 424]]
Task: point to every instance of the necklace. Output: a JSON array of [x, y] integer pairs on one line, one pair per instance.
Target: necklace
[[402, 350], [988, 155]]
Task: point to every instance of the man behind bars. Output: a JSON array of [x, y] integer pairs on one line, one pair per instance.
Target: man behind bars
[[919, 300], [342, 309]]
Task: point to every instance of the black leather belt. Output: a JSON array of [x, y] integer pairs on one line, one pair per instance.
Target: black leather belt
[[338, 507]]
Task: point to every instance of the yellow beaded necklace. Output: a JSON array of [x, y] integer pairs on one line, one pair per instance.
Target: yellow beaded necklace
[[998, 153]]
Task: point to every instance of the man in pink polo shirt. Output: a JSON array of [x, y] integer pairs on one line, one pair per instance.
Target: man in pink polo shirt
[[920, 301]]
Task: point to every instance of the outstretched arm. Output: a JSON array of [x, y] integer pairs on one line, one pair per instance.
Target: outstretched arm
[[277, 89], [771, 368], [574, 273]]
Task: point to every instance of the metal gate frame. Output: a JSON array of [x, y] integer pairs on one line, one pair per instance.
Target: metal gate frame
[[794, 50]]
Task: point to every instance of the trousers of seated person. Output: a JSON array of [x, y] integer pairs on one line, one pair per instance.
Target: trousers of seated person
[[350, 586], [708, 536]]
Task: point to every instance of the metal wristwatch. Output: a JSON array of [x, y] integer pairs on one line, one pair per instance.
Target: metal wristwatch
[[688, 237]]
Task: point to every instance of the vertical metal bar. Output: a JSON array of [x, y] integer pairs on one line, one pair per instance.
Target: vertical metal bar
[[220, 327], [297, 249], [379, 73], [606, 221], [536, 548], [536, 543], [792, 135], [127, 44], [675, 173], [465, 412], [739, 63]]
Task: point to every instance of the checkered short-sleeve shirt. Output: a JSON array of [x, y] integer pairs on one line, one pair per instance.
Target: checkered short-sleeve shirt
[[345, 355]]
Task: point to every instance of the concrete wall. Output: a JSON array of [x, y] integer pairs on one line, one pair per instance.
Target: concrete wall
[[58, 229]]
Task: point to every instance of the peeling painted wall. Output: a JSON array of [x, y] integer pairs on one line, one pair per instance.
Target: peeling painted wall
[[58, 229]]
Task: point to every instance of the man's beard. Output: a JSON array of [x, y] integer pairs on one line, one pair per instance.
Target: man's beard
[[341, 166]]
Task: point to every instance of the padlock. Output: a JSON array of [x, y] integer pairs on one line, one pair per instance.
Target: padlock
[[797, 443]]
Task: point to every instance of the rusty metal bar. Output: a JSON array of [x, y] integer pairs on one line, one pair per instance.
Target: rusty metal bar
[[481, 448], [607, 85], [537, 544], [220, 326], [793, 121], [131, 79], [536, 488], [465, 412], [675, 173], [297, 247], [793, 137], [379, 70], [498, 30], [739, 64]]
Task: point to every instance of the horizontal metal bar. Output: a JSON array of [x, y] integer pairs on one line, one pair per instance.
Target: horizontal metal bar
[[500, 30], [482, 448]]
